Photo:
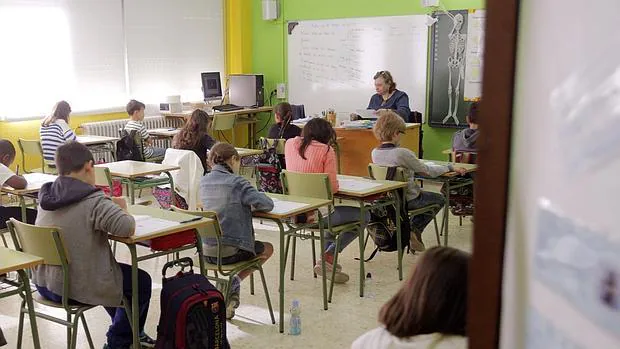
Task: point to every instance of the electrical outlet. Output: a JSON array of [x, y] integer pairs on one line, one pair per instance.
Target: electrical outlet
[[281, 91]]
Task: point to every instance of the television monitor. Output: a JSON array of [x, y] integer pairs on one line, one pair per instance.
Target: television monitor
[[211, 85]]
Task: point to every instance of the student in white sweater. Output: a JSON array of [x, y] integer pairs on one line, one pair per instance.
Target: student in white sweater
[[430, 309]]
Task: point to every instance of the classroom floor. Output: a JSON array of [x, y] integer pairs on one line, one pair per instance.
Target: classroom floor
[[348, 316]]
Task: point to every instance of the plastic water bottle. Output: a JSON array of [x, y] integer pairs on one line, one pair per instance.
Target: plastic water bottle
[[369, 287], [295, 324]]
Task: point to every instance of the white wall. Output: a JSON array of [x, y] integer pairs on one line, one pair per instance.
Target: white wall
[[566, 144]]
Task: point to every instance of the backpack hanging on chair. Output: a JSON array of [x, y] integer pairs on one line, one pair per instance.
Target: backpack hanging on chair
[[382, 225], [268, 168], [127, 148]]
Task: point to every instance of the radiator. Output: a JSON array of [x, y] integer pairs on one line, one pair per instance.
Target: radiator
[[110, 128]]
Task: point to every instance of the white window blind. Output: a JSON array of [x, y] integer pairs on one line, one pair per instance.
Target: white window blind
[[77, 50], [55, 50], [169, 43]]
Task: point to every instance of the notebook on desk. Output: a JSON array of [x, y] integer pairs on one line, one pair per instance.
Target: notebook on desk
[[227, 107]]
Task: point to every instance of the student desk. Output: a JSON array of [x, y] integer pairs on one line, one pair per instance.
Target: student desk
[[134, 240], [11, 260], [35, 182], [281, 218], [452, 180], [245, 116], [99, 144], [163, 133], [132, 171], [368, 198]]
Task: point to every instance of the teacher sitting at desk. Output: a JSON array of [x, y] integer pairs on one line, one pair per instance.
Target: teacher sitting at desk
[[388, 97]]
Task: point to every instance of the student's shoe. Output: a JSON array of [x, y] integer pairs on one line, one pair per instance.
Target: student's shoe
[[338, 266], [416, 243], [106, 346], [339, 278], [234, 298], [146, 341]]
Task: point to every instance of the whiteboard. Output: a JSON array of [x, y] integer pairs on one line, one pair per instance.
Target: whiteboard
[[331, 63]]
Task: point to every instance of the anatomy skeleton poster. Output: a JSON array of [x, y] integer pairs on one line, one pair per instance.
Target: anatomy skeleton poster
[[448, 106]]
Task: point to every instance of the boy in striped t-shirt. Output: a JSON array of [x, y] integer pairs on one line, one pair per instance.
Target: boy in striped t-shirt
[[135, 110], [55, 130]]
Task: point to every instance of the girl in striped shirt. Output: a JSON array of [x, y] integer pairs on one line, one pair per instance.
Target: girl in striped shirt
[[55, 130], [313, 153]]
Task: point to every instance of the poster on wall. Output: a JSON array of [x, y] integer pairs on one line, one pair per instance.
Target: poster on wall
[[474, 55], [448, 106]]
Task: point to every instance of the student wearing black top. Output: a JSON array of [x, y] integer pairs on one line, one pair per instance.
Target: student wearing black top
[[194, 136], [283, 127]]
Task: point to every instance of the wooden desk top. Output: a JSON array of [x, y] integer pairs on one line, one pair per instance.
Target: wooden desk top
[[469, 167], [11, 260], [131, 169], [244, 111], [35, 182], [163, 132], [385, 186], [93, 139], [312, 204], [248, 152], [161, 214]]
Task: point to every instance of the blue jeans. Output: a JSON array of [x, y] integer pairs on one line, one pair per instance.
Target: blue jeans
[[119, 334], [419, 222], [343, 215], [158, 152]]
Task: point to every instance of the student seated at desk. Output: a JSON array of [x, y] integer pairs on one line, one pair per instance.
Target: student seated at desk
[[7, 177], [429, 310], [135, 110], [233, 198], [465, 140], [312, 153], [388, 130], [86, 216], [283, 129], [194, 136], [55, 130]]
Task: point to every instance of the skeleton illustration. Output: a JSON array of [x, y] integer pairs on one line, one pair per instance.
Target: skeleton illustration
[[456, 64]]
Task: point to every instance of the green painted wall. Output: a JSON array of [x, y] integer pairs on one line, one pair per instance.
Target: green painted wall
[[269, 41]]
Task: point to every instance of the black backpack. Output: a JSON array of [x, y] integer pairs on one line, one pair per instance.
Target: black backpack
[[127, 148], [382, 225], [193, 312]]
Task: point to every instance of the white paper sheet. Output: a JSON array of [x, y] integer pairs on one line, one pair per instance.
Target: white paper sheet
[[283, 206], [38, 179], [356, 185], [147, 224]]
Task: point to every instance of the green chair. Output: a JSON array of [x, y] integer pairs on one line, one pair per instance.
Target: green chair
[[225, 122], [376, 171], [47, 242], [214, 231], [316, 185], [33, 148]]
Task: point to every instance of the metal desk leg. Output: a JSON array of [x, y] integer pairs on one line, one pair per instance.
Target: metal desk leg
[[23, 275], [135, 311], [322, 246], [362, 245], [446, 214], [282, 270], [132, 194], [399, 245], [22, 204]]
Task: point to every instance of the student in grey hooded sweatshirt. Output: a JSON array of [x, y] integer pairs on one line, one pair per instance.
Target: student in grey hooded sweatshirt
[[465, 140], [86, 216]]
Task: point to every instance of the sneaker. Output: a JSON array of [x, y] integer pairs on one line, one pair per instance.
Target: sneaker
[[233, 299], [146, 341], [340, 277], [338, 266], [416, 243]]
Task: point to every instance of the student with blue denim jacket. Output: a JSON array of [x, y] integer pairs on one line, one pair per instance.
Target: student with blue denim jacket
[[233, 198]]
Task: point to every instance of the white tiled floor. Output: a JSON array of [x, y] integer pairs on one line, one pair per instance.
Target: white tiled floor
[[348, 316]]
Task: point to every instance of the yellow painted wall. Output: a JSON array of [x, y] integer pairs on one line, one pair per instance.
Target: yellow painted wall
[[238, 43]]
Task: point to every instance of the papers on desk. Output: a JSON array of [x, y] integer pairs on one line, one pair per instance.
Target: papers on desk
[[38, 179], [367, 113], [356, 185], [283, 206], [147, 224]]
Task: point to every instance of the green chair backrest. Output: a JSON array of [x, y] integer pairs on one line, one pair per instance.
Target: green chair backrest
[[30, 148], [380, 172], [44, 242], [103, 177], [280, 142], [223, 122], [313, 185]]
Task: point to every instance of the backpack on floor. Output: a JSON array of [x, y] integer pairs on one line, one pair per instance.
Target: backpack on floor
[[193, 312], [382, 225], [127, 148]]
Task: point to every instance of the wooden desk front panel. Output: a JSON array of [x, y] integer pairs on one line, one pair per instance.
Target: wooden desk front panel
[[356, 146]]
